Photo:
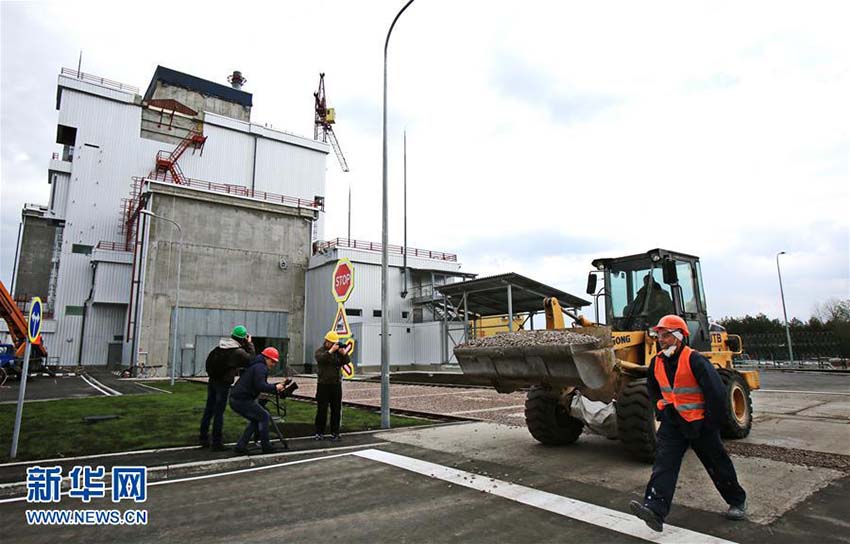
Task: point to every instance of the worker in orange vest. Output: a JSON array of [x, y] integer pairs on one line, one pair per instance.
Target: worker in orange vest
[[690, 401]]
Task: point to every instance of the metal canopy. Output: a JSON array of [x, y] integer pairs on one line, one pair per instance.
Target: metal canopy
[[491, 296]]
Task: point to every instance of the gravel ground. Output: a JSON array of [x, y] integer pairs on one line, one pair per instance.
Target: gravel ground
[[484, 404], [791, 455], [529, 338]]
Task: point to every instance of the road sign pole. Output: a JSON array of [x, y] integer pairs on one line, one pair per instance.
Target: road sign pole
[[21, 392]]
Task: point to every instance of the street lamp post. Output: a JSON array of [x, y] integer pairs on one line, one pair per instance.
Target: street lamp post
[[177, 295], [385, 325], [784, 312]]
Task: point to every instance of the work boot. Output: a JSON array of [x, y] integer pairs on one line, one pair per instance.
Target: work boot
[[737, 513], [241, 450], [204, 442], [218, 446], [652, 520]]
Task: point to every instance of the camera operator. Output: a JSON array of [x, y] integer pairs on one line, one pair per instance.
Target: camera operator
[[330, 358], [243, 400]]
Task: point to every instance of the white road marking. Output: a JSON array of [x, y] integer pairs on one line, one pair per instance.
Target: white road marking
[[103, 391], [112, 392], [154, 388], [599, 516]]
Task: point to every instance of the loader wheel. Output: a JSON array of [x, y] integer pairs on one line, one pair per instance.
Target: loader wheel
[[636, 424], [739, 416], [547, 420]]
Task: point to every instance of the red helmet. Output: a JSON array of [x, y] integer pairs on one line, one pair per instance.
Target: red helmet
[[672, 322], [271, 353]]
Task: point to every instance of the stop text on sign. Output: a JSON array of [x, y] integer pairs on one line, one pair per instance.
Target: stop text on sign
[[343, 280]]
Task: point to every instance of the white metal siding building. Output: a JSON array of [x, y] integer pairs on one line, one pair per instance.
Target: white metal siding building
[[415, 337], [106, 144]]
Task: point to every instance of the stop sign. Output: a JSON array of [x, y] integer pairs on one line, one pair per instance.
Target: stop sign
[[343, 280]]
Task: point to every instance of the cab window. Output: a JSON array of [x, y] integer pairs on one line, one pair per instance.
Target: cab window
[[686, 281]]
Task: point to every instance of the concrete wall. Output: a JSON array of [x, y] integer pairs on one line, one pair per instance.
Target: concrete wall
[[200, 102], [34, 262], [232, 249]]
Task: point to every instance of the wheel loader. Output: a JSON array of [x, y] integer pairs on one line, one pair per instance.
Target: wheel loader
[[611, 367]]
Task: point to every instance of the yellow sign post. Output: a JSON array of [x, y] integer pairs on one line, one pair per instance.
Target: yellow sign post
[[341, 287]]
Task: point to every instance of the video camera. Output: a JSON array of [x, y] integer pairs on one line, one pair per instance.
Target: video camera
[[289, 387]]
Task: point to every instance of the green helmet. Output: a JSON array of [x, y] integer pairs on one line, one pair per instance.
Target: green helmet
[[239, 332]]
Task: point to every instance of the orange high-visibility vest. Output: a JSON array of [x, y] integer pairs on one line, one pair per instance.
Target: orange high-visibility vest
[[685, 395]]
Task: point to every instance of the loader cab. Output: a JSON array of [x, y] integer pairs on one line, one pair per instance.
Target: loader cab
[[640, 289]]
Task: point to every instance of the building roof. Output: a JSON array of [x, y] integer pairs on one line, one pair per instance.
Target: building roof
[[173, 77], [488, 296]]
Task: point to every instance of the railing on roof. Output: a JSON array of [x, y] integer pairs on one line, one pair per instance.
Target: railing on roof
[[114, 246], [99, 80], [238, 190], [395, 250]]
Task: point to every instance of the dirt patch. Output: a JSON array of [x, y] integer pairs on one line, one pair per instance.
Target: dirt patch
[[794, 456]]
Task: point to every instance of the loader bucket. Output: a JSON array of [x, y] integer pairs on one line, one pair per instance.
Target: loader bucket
[[556, 365]]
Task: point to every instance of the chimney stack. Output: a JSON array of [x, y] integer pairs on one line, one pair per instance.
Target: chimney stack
[[236, 80]]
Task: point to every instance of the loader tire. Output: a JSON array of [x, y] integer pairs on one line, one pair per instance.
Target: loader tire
[[636, 425], [739, 407], [547, 420]]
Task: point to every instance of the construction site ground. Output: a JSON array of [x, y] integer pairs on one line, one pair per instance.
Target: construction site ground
[[487, 480]]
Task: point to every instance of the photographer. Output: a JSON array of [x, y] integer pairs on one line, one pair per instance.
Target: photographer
[[330, 358], [243, 400], [223, 362]]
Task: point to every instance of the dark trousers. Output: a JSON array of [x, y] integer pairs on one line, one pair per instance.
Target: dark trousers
[[258, 421], [214, 410], [671, 447], [328, 394]]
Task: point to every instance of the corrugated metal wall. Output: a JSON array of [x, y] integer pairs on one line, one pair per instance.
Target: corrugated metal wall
[[59, 193], [112, 284], [104, 322], [429, 343], [200, 328], [423, 345]]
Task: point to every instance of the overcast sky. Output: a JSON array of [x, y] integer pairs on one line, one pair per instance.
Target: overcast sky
[[541, 135]]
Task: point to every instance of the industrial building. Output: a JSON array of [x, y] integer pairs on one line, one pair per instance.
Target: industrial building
[[416, 313], [247, 198], [173, 217]]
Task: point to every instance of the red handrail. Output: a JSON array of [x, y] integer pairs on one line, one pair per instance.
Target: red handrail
[[238, 190]]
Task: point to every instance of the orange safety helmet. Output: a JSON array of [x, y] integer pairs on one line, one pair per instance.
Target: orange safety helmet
[[271, 353], [672, 322]]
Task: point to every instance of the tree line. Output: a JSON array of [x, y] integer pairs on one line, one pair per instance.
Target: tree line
[[825, 334]]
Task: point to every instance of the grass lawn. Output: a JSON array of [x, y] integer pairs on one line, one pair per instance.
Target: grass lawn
[[56, 428]]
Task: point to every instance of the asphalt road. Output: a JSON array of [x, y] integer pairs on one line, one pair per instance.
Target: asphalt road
[[352, 499], [511, 490]]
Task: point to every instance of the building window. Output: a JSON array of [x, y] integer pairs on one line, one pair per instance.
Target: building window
[[73, 310], [66, 135], [404, 315], [81, 248], [376, 313], [353, 312]]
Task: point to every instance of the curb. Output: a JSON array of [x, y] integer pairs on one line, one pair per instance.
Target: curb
[[180, 470]]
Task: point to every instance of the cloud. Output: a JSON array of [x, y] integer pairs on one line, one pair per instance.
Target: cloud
[[540, 135], [518, 80]]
